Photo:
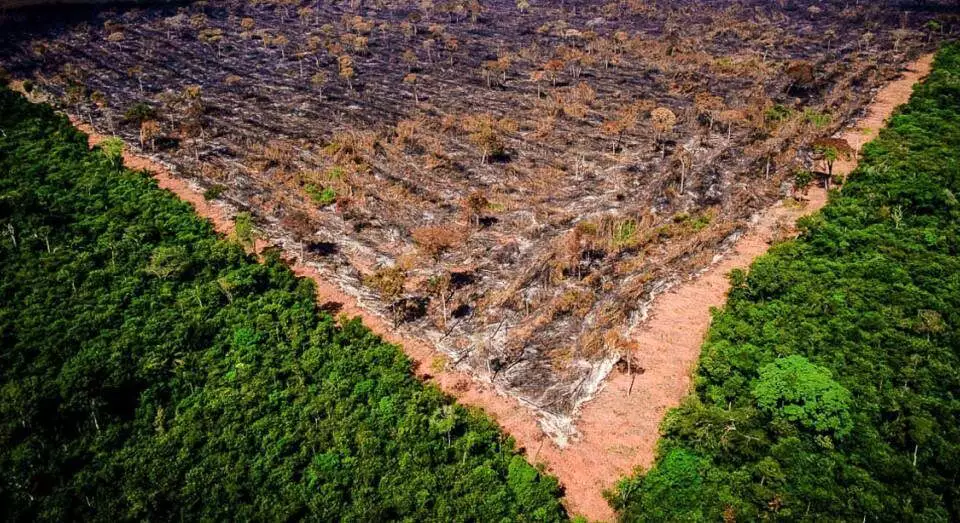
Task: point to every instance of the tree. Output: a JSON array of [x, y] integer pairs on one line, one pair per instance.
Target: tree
[[410, 58], [898, 36], [113, 149], [451, 44], [345, 64], [537, 76], [485, 133], [829, 150], [149, 131], [662, 121], [827, 370], [796, 390], [319, 80], [136, 72], [552, 68], [475, 9], [167, 262], [576, 60], [281, 42], [193, 106], [801, 181], [709, 106], [243, 230], [729, 117], [305, 13], [474, 205], [212, 36], [174, 23], [428, 46], [75, 95], [439, 286], [496, 70], [625, 121], [801, 75], [178, 312], [302, 228], [117, 38], [684, 157], [411, 80]]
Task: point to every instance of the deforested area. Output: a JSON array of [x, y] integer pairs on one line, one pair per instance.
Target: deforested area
[[153, 371], [512, 181], [828, 388]]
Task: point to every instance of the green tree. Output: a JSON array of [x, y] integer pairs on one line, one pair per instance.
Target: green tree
[[794, 389], [113, 149], [243, 230]]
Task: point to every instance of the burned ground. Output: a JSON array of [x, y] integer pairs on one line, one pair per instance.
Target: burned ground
[[510, 182]]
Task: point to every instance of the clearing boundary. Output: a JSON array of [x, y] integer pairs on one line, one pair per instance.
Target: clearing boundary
[[619, 428]]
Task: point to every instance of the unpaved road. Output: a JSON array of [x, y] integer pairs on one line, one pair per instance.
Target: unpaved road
[[619, 428]]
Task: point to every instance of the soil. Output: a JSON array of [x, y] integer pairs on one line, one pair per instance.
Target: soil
[[618, 428]]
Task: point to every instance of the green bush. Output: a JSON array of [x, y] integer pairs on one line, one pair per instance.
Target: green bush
[[322, 196], [214, 191]]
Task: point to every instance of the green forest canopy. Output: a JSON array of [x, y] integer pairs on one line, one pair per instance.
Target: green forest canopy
[[828, 388], [149, 370]]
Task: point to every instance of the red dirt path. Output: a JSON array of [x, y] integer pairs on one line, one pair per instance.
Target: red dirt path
[[618, 431]]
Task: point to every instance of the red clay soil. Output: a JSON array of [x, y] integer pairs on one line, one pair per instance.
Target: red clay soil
[[620, 427]]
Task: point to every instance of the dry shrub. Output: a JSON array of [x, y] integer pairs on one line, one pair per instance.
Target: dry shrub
[[388, 281], [300, 224], [543, 180], [783, 230], [601, 341], [279, 152], [591, 344], [473, 206], [436, 156], [406, 129], [448, 122], [434, 240], [348, 147], [545, 126], [573, 301], [439, 363], [212, 172]]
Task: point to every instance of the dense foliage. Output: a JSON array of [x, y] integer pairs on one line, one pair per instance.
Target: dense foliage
[[149, 370], [828, 389]]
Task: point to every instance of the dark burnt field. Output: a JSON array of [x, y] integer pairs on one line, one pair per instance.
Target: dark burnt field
[[511, 182]]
